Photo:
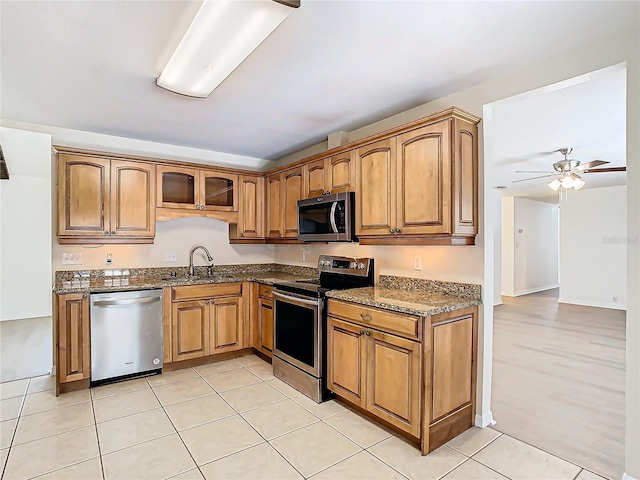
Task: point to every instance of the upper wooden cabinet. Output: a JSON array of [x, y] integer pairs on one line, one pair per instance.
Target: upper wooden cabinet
[[197, 189], [250, 224], [420, 186], [283, 192], [330, 175], [105, 201]]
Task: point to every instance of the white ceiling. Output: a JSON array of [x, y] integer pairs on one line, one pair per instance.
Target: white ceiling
[[589, 116], [331, 65]]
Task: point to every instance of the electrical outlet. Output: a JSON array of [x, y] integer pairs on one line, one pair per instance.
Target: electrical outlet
[[417, 263], [170, 257], [108, 259], [72, 258]]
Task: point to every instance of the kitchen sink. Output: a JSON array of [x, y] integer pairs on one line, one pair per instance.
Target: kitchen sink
[[188, 278]]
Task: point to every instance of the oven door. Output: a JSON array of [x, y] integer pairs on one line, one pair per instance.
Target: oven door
[[297, 331]]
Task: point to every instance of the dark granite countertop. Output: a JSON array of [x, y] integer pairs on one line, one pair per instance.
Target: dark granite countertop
[[413, 296], [93, 283]]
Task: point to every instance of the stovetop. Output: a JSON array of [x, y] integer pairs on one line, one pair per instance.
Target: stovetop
[[336, 273]]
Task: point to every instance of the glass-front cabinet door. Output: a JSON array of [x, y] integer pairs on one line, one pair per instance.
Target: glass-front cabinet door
[[178, 187], [218, 191]]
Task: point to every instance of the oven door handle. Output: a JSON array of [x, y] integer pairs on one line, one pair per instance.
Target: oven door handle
[[294, 299], [332, 217]]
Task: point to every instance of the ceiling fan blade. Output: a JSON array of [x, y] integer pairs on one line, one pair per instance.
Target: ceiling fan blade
[[533, 178], [533, 171], [591, 164], [609, 169]]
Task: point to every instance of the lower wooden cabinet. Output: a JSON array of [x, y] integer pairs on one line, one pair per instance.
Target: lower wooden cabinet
[[73, 337], [262, 320], [417, 374], [206, 320], [376, 371]]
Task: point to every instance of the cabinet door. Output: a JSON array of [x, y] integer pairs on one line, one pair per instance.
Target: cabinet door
[[83, 196], [346, 360], [177, 187], [465, 165], [251, 207], [226, 327], [424, 180], [133, 192], [218, 191], [292, 192], [190, 329], [393, 380], [74, 340], [274, 209], [265, 324], [341, 172], [315, 178], [453, 366], [376, 199]]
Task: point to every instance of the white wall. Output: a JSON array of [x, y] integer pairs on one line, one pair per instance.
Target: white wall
[[496, 205], [171, 236], [530, 239], [593, 247], [25, 226]]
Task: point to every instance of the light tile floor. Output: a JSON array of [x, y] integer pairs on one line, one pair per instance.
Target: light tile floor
[[232, 420]]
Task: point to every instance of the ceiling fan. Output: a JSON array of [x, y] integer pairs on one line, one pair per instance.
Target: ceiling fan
[[566, 172]]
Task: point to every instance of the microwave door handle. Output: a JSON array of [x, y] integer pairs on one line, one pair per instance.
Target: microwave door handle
[[332, 217]]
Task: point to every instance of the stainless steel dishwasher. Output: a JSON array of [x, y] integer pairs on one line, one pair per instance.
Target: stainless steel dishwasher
[[126, 334]]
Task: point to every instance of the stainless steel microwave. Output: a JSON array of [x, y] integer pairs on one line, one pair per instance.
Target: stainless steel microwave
[[329, 218]]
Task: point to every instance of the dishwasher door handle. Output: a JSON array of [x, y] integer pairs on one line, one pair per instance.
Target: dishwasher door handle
[[127, 301]]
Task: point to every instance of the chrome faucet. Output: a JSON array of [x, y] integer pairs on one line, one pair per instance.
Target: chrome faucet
[[209, 258]]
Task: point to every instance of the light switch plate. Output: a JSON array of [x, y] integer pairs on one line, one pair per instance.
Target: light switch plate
[[417, 263], [170, 257], [73, 258]]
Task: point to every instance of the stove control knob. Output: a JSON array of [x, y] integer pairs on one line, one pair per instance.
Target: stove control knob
[[361, 266], [354, 265]]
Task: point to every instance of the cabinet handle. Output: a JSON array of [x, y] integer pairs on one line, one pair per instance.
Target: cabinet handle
[[365, 317], [84, 295], [368, 333], [397, 230], [361, 332], [113, 232], [207, 302], [242, 234], [391, 230], [212, 302], [106, 233]]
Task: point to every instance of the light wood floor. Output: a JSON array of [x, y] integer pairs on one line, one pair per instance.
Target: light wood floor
[[559, 379]]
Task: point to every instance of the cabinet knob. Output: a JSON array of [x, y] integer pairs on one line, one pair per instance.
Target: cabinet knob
[[391, 230], [207, 302], [397, 230], [84, 295], [365, 317], [361, 332], [368, 333], [106, 233], [113, 232], [213, 302], [242, 234]]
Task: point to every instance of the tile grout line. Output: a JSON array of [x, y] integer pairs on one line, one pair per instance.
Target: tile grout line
[[15, 430], [245, 420]]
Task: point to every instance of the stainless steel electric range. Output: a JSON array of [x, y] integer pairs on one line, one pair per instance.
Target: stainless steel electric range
[[300, 322]]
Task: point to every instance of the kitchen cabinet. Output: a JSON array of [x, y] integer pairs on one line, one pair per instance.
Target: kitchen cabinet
[[262, 319], [330, 175], [206, 320], [196, 189], [283, 192], [376, 371], [73, 339], [419, 186], [250, 226], [103, 200], [416, 374]]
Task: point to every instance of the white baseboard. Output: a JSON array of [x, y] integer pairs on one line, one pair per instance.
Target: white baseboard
[[499, 303], [586, 303], [534, 290], [628, 477], [485, 419]]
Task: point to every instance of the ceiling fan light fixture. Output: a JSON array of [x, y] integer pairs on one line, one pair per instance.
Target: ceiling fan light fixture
[[567, 181], [578, 183], [221, 36], [554, 184]]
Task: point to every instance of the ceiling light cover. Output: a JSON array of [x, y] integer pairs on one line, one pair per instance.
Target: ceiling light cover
[[223, 33], [555, 184]]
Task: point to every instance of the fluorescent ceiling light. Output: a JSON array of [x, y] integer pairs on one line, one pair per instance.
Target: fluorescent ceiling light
[[223, 33]]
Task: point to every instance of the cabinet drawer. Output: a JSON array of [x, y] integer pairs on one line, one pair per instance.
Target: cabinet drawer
[[206, 291], [265, 291], [404, 325]]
